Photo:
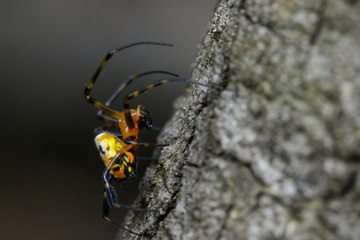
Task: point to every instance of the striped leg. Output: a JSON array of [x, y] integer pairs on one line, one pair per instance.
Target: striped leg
[[106, 118], [110, 201], [90, 85], [131, 78], [106, 212], [158, 83]]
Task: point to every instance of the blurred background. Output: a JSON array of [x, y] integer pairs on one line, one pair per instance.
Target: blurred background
[[50, 170]]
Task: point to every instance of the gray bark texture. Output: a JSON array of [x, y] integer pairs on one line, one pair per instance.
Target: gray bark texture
[[274, 151]]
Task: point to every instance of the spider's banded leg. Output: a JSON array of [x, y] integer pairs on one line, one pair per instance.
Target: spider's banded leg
[[106, 218], [106, 211], [111, 200], [113, 51], [110, 197], [158, 83], [90, 85], [108, 201], [131, 78], [106, 118]]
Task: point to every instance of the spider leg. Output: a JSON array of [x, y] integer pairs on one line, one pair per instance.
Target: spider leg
[[90, 85], [121, 227], [110, 201], [106, 118], [106, 212], [105, 215], [158, 83], [131, 78], [110, 194]]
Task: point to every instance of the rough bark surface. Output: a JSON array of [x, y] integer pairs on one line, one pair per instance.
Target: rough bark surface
[[275, 152]]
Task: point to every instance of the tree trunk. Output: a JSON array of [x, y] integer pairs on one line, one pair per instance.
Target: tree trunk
[[274, 152]]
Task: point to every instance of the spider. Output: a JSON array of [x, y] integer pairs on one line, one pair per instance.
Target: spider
[[117, 149]]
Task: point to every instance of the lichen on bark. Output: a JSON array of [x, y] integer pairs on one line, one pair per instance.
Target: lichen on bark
[[274, 152]]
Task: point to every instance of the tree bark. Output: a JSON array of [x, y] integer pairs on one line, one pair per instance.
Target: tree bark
[[274, 152]]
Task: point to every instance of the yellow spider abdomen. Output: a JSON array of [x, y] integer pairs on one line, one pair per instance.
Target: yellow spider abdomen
[[108, 145]]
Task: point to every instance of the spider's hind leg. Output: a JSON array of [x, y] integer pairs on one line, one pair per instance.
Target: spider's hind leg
[[110, 200]]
